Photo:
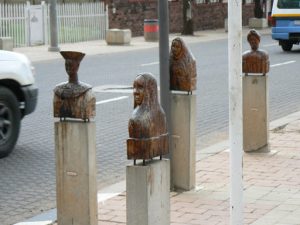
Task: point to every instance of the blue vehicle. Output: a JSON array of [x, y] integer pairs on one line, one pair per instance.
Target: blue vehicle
[[286, 23]]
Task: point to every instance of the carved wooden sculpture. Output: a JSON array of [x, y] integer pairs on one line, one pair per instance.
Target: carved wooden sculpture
[[183, 75], [148, 135], [73, 99], [255, 60]]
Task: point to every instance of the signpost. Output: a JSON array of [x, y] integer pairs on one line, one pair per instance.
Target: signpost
[[235, 111]]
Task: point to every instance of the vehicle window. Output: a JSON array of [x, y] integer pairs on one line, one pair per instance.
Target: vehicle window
[[288, 4]]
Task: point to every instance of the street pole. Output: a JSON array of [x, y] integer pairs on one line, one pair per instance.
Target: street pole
[[163, 15], [235, 111], [53, 28]]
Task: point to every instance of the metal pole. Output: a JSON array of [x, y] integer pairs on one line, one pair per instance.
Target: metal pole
[[235, 111], [163, 15], [53, 28]]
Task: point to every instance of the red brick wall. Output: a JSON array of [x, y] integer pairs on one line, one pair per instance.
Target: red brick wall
[[130, 14]]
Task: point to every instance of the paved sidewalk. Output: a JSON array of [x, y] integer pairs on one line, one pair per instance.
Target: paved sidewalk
[[271, 187]]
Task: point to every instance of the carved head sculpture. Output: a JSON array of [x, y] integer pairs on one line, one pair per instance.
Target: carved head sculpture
[[147, 111], [253, 38], [73, 99], [177, 48], [145, 90], [147, 126], [182, 67], [72, 63], [255, 60]]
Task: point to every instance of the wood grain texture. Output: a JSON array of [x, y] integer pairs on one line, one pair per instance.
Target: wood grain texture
[[73, 99], [183, 75], [148, 136], [255, 60]]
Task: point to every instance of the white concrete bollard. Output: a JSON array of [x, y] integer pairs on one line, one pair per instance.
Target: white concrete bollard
[[148, 193], [255, 111], [6, 43], [118, 37], [258, 23], [183, 108], [76, 173]]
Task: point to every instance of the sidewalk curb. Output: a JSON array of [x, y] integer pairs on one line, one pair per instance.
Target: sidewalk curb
[[98, 47]]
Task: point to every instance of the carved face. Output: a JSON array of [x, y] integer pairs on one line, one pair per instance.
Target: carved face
[[176, 48], [254, 42], [71, 67], [138, 91]]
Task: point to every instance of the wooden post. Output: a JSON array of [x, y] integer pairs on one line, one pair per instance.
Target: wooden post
[[183, 81], [147, 184], [75, 147], [235, 111]]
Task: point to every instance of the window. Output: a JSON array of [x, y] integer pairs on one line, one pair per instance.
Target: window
[[288, 4]]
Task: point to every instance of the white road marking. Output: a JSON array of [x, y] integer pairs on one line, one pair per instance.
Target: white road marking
[[284, 63], [111, 100], [150, 64]]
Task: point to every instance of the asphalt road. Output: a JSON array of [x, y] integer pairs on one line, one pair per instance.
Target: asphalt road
[[27, 180]]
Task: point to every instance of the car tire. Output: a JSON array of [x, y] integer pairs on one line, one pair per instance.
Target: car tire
[[286, 46], [10, 120]]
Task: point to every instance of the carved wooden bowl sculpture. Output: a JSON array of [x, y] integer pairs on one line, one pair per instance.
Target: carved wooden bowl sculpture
[[148, 135]]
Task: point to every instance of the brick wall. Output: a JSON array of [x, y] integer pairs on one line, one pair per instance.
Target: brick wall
[[131, 14]]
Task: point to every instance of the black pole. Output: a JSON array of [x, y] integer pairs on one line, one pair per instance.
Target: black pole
[[165, 94]]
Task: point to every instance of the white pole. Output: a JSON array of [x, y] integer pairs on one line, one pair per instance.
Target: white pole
[[235, 111]]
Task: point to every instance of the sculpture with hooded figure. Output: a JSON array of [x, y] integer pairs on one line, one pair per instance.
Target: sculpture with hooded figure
[[148, 136], [183, 75]]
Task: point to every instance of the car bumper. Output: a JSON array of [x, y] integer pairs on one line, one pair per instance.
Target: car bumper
[[30, 98]]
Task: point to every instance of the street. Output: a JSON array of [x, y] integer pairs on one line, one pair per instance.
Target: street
[[27, 181]]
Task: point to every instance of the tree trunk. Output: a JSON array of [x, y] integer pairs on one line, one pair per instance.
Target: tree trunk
[[258, 12], [187, 18]]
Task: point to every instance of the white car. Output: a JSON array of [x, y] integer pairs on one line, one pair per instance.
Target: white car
[[18, 97]]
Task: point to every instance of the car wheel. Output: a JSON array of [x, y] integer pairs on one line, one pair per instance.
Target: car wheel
[[10, 119], [286, 46]]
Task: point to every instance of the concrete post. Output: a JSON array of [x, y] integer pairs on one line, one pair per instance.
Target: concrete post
[[255, 110], [148, 193], [76, 173], [183, 108]]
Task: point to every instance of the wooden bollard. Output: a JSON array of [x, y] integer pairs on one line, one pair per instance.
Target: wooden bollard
[[75, 146], [256, 65], [183, 80], [147, 183]]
